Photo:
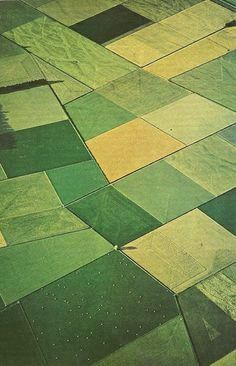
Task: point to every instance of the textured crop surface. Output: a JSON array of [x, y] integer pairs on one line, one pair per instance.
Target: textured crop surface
[[117, 183]]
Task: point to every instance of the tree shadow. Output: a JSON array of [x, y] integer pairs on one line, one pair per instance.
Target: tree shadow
[[7, 136], [27, 85], [230, 24]]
